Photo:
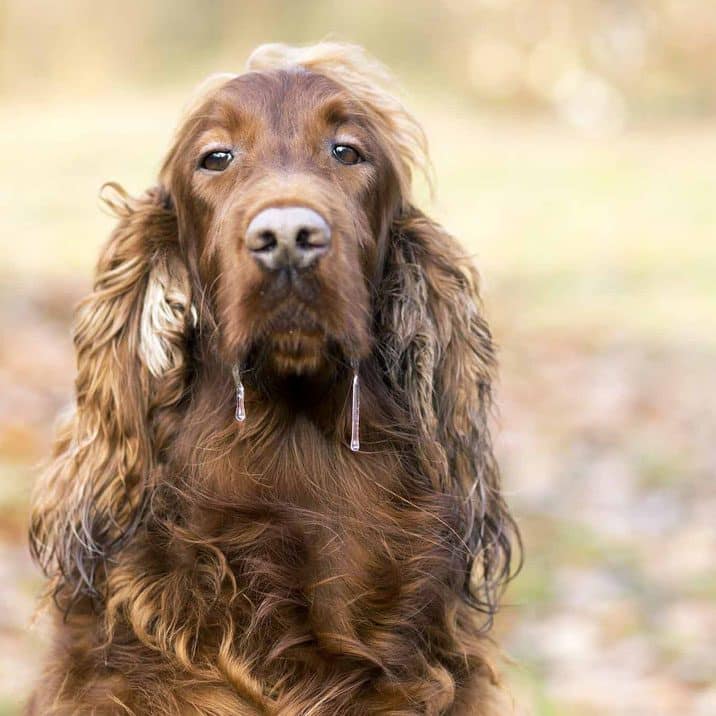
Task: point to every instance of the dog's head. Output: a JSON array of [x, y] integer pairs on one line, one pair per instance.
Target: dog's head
[[281, 235], [286, 181]]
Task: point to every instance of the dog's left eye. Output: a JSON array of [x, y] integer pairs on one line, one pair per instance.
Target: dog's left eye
[[217, 161], [346, 154]]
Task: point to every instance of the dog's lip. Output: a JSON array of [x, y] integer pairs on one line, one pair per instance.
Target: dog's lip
[[294, 331], [296, 343]]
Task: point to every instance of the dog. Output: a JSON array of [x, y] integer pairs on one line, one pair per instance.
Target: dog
[[276, 493]]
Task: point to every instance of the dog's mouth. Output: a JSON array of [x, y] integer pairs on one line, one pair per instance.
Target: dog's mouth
[[283, 331], [294, 342], [296, 350]]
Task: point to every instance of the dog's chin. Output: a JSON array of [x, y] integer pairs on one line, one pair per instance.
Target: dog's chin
[[294, 342], [285, 349], [296, 351]]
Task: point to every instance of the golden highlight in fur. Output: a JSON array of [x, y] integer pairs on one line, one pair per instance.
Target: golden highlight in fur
[[198, 565]]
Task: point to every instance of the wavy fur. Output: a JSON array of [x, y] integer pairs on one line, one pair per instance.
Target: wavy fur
[[199, 567]]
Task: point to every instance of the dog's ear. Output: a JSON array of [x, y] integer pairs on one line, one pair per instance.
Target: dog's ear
[[439, 357], [130, 338]]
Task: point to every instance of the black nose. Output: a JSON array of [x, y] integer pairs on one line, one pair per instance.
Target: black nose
[[292, 236]]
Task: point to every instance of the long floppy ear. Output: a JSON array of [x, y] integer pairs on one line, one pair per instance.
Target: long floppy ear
[[130, 337], [439, 357]]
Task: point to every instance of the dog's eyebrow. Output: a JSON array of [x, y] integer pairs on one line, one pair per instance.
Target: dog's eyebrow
[[339, 110], [223, 111], [215, 138]]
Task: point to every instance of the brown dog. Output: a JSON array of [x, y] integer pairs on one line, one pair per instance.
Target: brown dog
[[201, 564]]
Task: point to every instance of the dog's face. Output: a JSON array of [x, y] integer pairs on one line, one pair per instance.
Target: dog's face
[[282, 186]]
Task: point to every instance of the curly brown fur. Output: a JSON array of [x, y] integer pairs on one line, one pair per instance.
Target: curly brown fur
[[202, 566]]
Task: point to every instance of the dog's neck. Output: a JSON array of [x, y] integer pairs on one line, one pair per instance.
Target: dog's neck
[[294, 444]]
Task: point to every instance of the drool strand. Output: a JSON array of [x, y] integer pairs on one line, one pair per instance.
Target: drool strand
[[355, 410], [240, 414]]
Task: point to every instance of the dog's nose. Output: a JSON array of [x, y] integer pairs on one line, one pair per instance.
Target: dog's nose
[[292, 236]]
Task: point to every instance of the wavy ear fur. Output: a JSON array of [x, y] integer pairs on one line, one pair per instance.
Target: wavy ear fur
[[439, 357], [130, 336]]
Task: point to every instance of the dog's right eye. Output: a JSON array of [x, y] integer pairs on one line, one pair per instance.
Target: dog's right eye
[[217, 161], [346, 154]]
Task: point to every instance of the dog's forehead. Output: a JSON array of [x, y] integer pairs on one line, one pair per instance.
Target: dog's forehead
[[281, 94]]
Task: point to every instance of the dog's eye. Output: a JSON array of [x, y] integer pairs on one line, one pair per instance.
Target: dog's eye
[[346, 154], [217, 161]]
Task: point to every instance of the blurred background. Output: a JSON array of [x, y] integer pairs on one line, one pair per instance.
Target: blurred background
[[574, 145]]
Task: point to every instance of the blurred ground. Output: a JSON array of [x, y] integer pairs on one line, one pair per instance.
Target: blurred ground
[[598, 259]]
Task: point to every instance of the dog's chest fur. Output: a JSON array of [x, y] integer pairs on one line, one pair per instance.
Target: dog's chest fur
[[299, 580]]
